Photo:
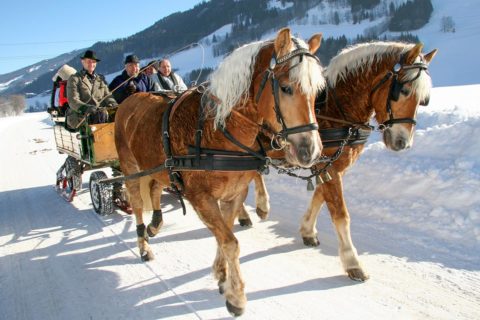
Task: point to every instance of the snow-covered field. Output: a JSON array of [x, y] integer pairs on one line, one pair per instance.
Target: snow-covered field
[[415, 222]]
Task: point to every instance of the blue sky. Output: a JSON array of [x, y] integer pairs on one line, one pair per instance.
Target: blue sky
[[33, 30]]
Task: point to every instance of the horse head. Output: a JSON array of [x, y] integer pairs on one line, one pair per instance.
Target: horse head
[[397, 95], [286, 106]]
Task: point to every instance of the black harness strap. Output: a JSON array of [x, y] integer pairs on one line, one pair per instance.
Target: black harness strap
[[355, 133], [205, 159], [175, 178], [334, 137]]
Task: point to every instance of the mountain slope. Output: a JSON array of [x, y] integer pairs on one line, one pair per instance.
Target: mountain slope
[[223, 18]]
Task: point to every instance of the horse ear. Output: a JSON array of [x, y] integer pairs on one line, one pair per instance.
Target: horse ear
[[413, 53], [429, 56], [283, 42], [314, 42]]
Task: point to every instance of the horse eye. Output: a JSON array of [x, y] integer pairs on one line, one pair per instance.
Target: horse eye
[[405, 91], [287, 90]]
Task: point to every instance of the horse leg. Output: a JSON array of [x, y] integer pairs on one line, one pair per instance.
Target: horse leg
[[308, 228], [243, 217], [220, 264], [226, 266], [262, 198], [157, 218], [333, 193], [133, 187]]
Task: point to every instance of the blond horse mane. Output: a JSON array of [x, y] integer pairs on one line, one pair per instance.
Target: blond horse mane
[[360, 58], [229, 84]]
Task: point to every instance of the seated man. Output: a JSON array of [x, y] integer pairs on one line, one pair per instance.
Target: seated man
[[150, 71], [88, 94], [169, 81], [131, 80]]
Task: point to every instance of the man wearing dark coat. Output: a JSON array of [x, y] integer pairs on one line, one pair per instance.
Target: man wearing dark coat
[[88, 94], [131, 80]]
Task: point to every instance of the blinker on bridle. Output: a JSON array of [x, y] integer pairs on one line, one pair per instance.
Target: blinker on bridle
[[282, 135], [396, 88]]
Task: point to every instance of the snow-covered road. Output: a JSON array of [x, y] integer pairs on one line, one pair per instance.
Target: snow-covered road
[[60, 260]]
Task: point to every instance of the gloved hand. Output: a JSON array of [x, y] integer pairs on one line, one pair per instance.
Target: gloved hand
[[131, 88], [91, 109], [112, 106]]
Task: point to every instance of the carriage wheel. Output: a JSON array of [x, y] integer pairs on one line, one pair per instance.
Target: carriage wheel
[[69, 179], [73, 173], [101, 194]]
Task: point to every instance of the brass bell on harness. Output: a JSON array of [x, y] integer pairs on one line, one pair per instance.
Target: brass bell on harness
[[310, 186], [318, 180], [326, 176]]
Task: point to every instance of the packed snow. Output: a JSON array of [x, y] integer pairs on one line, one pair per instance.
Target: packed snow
[[415, 222]]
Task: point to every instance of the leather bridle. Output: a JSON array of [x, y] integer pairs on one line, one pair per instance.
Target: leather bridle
[[282, 135], [396, 87]]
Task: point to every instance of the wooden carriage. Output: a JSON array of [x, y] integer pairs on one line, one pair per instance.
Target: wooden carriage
[[91, 147], [98, 148]]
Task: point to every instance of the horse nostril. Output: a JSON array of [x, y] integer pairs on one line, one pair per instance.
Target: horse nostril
[[304, 154], [400, 144]]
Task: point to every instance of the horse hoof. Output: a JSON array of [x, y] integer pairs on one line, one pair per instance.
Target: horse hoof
[[311, 241], [147, 256], [150, 233], [357, 275], [245, 222], [234, 311], [262, 214]]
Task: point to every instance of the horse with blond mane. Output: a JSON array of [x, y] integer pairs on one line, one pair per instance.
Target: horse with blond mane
[[384, 80], [202, 139]]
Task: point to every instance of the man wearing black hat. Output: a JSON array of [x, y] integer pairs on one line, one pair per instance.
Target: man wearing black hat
[[88, 94], [131, 80]]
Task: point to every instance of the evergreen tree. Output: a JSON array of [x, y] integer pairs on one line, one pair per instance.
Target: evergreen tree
[[411, 15]]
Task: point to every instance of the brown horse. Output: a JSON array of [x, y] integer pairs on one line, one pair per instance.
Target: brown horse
[[385, 80], [234, 107]]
